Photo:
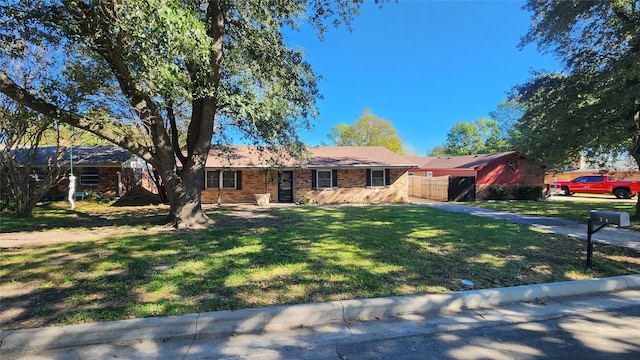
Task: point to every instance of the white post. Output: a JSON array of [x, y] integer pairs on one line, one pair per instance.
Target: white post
[[72, 190], [119, 183]]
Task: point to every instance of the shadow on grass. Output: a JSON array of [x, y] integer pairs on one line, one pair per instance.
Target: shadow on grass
[[286, 256], [49, 216]]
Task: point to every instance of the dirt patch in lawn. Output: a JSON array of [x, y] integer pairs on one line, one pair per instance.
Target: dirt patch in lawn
[[101, 225]]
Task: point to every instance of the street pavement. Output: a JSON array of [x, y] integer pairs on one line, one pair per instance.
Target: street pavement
[[586, 319], [597, 326]]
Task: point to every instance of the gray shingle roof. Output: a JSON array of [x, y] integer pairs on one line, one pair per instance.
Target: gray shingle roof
[[82, 155]]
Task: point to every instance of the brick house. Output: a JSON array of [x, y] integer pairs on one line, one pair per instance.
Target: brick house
[[107, 170], [331, 175], [481, 171]]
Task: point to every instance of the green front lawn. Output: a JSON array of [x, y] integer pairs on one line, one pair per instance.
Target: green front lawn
[[285, 256], [569, 209]]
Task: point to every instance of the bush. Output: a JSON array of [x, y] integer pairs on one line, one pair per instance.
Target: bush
[[527, 192], [307, 202], [520, 192], [96, 197], [498, 193]]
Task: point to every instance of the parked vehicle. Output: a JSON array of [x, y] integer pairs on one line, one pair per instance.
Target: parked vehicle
[[597, 184]]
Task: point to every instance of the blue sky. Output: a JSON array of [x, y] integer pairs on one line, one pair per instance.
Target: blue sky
[[423, 65]]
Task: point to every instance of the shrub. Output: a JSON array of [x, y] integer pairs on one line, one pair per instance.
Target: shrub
[[307, 202], [96, 197], [498, 193], [527, 192]]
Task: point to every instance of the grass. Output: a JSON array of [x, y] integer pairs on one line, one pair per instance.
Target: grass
[[575, 210], [56, 215], [283, 256]]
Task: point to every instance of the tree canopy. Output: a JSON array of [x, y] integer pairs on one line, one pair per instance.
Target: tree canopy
[[368, 130], [593, 106], [135, 72], [483, 136], [22, 132]]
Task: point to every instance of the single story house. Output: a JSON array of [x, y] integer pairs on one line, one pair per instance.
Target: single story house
[[330, 175], [107, 170], [479, 172]]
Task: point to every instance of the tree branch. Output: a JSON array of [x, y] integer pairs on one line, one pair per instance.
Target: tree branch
[[23, 97], [111, 49], [174, 135]]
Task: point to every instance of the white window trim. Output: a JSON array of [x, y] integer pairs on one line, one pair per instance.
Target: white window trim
[[220, 179], [330, 179]]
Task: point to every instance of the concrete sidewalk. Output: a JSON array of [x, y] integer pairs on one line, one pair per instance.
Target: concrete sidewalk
[[576, 229], [272, 321]]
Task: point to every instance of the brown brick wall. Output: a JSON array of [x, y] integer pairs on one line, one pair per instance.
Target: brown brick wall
[[351, 188], [253, 182]]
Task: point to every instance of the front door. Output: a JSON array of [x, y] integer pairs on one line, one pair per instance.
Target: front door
[[285, 186]]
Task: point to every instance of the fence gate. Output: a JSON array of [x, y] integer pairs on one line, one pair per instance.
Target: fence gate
[[462, 188]]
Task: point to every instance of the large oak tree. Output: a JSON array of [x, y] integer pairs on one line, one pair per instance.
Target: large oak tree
[[593, 106], [134, 71]]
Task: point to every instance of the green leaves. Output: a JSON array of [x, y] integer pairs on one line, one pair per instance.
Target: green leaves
[[152, 67], [592, 108], [483, 136], [368, 130]]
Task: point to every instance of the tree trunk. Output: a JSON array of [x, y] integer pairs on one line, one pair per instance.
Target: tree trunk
[[184, 190], [635, 153], [24, 209], [184, 195]]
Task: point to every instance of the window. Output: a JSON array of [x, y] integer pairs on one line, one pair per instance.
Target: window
[[377, 177], [593, 178], [213, 178], [89, 176], [324, 178], [37, 175], [228, 178]]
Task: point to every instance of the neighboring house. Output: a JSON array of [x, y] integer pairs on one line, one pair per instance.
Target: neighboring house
[[626, 169], [331, 175], [474, 174], [107, 170]]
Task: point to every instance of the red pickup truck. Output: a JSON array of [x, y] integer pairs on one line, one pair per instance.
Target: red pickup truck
[[597, 184]]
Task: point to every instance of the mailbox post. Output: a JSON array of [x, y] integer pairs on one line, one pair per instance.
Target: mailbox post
[[602, 219]]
